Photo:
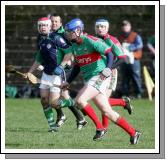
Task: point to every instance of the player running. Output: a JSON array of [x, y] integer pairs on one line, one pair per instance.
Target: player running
[[50, 45], [61, 118], [101, 30], [88, 52], [57, 26], [58, 29]]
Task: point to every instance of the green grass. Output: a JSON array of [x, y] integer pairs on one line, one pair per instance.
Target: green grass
[[26, 128]]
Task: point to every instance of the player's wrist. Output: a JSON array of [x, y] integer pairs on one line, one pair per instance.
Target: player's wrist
[[59, 70], [106, 72], [62, 65]]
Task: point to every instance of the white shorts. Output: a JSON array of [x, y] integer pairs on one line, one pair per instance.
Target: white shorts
[[100, 85], [48, 82]]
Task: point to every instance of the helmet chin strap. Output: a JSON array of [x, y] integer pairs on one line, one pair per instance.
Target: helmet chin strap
[[77, 40], [74, 40], [44, 34], [78, 34]]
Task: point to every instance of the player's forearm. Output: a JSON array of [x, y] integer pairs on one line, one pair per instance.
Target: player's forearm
[[64, 63], [117, 50], [75, 71], [33, 67], [110, 58], [67, 60]]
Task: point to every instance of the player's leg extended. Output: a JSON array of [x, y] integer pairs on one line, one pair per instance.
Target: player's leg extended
[[112, 87], [115, 102], [116, 118], [61, 118], [123, 102], [44, 93], [53, 98], [68, 101], [105, 120], [55, 93], [86, 93]]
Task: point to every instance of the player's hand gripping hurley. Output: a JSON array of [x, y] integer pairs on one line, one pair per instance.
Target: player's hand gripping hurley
[[32, 78]]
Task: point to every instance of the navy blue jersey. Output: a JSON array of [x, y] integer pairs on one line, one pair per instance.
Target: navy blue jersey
[[49, 47], [60, 32]]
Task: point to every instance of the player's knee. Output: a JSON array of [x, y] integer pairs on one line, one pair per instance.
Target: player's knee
[[44, 101], [111, 114], [106, 112], [54, 104], [65, 95], [80, 101]]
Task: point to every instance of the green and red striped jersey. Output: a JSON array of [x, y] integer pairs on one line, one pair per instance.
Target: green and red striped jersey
[[88, 55], [115, 45]]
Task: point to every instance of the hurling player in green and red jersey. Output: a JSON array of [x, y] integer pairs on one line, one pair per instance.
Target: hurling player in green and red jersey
[[57, 27], [101, 30], [88, 51]]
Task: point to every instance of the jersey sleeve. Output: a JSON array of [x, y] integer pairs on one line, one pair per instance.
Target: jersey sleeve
[[61, 42], [100, 46], [67, 50], [60, 56], [38, 57], [116, 49], [137, 44]]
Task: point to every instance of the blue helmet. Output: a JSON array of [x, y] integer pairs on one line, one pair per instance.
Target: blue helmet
[[73, 24]]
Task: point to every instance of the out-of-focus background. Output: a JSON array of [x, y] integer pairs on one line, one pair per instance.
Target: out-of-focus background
[[21, 35]]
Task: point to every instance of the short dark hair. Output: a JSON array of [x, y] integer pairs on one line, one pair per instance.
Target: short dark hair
[[125, 22], [56, 15]]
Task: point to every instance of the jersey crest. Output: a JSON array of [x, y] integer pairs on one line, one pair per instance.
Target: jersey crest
[[49, 46]]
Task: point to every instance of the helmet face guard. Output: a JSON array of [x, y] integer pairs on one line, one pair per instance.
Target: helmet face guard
[[44, 22], [101, 27], [72, 26]]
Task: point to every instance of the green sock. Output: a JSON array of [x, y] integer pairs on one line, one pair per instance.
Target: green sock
[[66, 102], [50, 117]]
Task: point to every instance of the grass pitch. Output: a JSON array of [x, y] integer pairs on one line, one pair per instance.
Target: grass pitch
[[26, 128]]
